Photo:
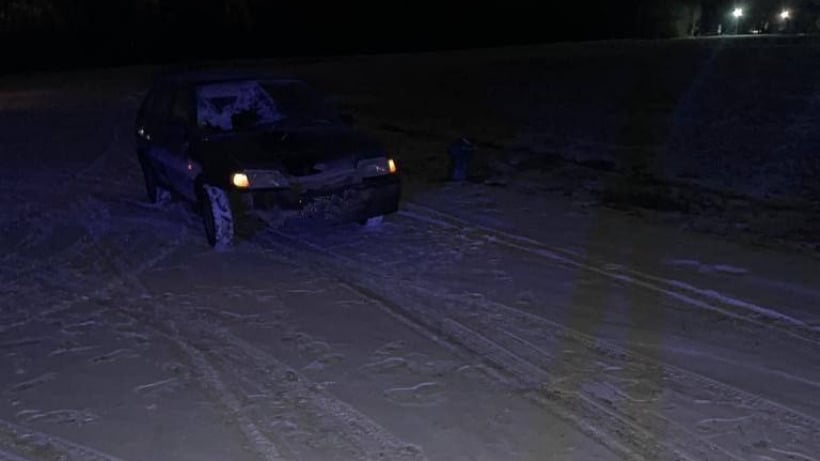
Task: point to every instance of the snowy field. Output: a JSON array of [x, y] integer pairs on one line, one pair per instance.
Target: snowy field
[[479, 323]]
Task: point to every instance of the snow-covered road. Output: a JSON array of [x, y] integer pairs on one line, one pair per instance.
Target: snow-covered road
[[478, 323]]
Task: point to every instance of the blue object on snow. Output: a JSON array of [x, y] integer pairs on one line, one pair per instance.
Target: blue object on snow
[[460, 153]]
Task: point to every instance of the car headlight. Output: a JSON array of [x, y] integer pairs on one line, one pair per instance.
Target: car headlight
[[240, 180], [376, 166]]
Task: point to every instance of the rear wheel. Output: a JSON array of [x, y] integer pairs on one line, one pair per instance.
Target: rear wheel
[[217, 216]]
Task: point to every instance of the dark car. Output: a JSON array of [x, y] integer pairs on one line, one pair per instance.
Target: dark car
[[243, 145]]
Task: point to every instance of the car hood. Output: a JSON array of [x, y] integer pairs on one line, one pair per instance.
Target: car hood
[[294, 151]]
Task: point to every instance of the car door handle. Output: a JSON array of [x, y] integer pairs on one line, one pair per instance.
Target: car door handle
[[143, 133]]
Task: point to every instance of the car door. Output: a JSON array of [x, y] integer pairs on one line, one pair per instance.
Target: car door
[[152, 130], [169, 140], [143, 120], [179, 168]]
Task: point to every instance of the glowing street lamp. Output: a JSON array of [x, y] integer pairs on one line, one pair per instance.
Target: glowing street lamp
[[737, 13], [785, 20]]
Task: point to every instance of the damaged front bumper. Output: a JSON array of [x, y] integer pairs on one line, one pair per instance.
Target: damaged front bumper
[[351, 202]]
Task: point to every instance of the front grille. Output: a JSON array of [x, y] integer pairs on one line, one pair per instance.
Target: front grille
[[298, 197], [328, 180]]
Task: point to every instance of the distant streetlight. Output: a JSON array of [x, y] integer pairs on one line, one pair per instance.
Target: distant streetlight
[[785, 20], [737, 13]]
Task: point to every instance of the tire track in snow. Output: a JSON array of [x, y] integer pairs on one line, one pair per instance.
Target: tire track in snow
[[265, 372], [32, 383], [789, 329], [507, 368], [364, 435], [18, 266], [710, 300], [45, 446], [168, 329], [247, 363], [24, 440], [79, 266], [520, 362], [6, 456], [65, 255], [522, 339], [68, 187], [102, 288], [261, 444]]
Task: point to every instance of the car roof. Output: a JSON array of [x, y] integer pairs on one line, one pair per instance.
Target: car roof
[[201, 76]]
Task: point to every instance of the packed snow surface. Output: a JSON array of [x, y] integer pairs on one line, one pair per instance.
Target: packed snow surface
[[479, 322]]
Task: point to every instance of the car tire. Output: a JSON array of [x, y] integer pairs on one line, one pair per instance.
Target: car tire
[[156, 194], [217, 216], [372, 222]]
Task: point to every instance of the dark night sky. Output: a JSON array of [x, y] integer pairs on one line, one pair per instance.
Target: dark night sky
[[54, 33], [150, 30]]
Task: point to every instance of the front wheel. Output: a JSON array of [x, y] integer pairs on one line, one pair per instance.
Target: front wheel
[[217, 217]]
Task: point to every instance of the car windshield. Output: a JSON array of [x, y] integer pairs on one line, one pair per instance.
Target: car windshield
[[246, 105]]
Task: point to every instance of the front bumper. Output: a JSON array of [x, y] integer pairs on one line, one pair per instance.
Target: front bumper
[[371, 197]]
